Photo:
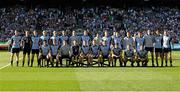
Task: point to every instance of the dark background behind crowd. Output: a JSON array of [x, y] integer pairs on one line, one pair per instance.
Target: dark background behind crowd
[[94, 15]]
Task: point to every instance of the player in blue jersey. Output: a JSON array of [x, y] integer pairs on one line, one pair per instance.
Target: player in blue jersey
[[106, 38], [64, 37], [149, 44], [26, 44], [142, 56], [104, 53], [128, 40], [139, 40], [73, 38], [55, 37], [86, 38], [117, 40], [44, 54], [35, 46], [94, 51], [85, 53], [158, 47], [15, 47], [167, 41], [45, 37], [53, 53], [129, 56], [65, 52]]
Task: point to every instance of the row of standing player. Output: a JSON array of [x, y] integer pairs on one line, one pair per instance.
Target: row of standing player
[[105, 47]]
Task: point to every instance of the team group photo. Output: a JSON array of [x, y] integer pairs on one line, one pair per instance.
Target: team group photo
[[90, 45]]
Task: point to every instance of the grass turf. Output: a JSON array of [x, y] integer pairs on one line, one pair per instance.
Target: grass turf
[[89, 79]]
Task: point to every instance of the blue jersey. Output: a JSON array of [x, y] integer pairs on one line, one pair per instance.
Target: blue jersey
[[85, 49], [86, 39], [64, 38], [107, 39], [95, 49], [118, 40], [55, 38], [54, 49], [158, 41], [45, 50], [45, 38], [128, 41], [16, 41], [105, 50], [139, 41], [35, 42], [148, 40], [73, 38]]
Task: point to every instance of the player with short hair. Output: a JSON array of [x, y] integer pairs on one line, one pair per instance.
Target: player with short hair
[[106, 38], [94, 51], [142, 56], [64, 37], [45, 37], [15, 46], [73, 38], [128, 40], [98, 39], [158, 47], [55, 37], [149, 44], [139, 40], [26, 44], [104, 53], [167, 41], [35, 46], [53, 52], [117, 54], [86, 38], [129, 56], [85, 53], [65, 52], [75, 50], [117, 40], [44, 54]]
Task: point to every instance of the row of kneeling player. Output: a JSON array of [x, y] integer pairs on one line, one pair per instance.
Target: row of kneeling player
[[78, 55]]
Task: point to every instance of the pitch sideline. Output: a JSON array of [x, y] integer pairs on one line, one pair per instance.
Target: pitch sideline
[[8, 64]]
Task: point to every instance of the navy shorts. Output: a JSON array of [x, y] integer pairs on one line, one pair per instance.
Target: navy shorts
[[15, 50], [35, 51], [151, 49], [167, 50], [158, 50]]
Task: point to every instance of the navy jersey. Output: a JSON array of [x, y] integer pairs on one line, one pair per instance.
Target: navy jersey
[[105, 50], [158, 41], [116, 51], [27, 42], [35, 42], [54, 49], [15, 41], [75, 50]]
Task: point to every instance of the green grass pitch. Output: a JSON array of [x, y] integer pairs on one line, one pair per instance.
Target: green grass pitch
[[89, 79]]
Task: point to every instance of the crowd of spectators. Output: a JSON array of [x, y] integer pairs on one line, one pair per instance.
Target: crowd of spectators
[[94, 19]]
